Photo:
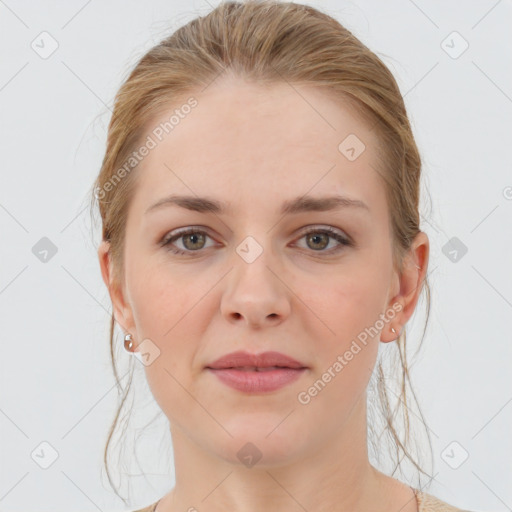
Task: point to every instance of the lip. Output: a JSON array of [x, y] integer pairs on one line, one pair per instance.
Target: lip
[[241, 359], [234, 370]]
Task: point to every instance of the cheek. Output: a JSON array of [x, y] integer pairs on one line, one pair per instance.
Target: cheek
[[353, 303], [160, 302], [166, 310], [351, 307]]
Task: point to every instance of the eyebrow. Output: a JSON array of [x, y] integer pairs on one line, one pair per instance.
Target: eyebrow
[[293, 206]]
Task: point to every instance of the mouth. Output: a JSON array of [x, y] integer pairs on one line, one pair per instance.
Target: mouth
[[256, 373], [257, 368]]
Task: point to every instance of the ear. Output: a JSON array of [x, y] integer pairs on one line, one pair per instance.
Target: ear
[[408, 286], [122, 311]]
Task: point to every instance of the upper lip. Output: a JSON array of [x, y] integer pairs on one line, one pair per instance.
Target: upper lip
[[263, 360]]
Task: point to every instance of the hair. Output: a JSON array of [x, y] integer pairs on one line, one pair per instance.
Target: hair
[[269, 42]]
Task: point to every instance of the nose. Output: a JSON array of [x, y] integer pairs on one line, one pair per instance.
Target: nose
[[256, 293]]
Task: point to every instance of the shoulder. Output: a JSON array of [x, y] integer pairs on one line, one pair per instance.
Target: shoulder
[[429, 503], [149, 508]]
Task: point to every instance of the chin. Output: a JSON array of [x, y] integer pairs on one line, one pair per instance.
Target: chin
[[261, 443]]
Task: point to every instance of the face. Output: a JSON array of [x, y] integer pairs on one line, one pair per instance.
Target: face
[[250, 277]]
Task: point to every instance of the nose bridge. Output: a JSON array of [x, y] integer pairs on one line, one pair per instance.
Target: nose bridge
[[254, 291], [252, 262]]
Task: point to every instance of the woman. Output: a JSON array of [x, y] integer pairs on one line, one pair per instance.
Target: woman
[[259, 201]]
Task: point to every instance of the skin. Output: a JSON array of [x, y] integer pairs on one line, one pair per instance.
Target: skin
[[255, 147]]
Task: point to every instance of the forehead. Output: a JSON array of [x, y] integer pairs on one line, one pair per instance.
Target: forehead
[[244, 139]]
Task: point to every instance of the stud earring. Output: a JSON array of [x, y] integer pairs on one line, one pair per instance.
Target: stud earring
[[128, 342], [393, 330]]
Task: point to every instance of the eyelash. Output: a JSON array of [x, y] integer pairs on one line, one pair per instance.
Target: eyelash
[[344, 242]]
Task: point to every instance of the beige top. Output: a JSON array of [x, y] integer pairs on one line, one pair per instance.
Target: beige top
[[426, 503]]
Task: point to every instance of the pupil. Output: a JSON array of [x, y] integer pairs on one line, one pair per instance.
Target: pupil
[[193, 238], [315, 237]]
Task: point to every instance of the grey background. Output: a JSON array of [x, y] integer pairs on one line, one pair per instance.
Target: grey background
[[56, 386]]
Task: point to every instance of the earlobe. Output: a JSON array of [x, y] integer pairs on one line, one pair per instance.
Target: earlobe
[[410, 285]]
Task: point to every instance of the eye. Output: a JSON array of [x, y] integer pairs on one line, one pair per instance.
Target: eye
[[193, 241], [318, 238]]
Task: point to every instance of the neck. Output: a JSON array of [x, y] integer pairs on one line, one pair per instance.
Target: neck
[[334, 474]]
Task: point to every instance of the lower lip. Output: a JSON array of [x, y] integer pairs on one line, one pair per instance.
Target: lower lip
[[251, 381]]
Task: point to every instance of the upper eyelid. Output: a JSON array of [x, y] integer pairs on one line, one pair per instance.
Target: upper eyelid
[[179, 232], [185, 229]]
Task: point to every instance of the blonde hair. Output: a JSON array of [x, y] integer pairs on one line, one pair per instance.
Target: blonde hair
[[268, 42]]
